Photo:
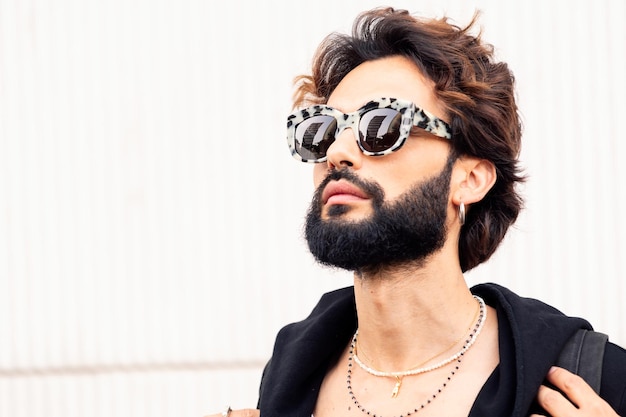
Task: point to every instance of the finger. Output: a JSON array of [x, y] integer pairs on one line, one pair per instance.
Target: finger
[[554, 402], [580, 393], [576, 389], [247, 412]]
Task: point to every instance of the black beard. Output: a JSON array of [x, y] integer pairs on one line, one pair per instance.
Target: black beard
[[407, 230]]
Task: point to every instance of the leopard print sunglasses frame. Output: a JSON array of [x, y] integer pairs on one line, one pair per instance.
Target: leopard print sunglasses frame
[[380, 128]]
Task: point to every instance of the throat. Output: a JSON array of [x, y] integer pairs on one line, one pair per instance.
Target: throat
[[470, 334]]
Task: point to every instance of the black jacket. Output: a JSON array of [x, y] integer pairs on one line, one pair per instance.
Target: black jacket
[[531, 335]]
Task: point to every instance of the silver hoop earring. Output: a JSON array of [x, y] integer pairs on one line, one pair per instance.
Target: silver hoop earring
[[462, 213]]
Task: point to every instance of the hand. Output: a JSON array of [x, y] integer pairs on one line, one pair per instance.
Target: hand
[[583, 400], [248, 412]]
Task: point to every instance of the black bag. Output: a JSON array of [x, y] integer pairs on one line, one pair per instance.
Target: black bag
[[583, 355]]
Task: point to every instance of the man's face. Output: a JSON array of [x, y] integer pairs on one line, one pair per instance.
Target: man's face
[[372, 211], [407, 229]]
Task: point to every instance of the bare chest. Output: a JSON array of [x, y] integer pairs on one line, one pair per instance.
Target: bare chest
[[348, 390], [434, 395]]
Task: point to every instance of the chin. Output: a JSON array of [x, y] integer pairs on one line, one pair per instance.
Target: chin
[[337, 210], [346, 212]]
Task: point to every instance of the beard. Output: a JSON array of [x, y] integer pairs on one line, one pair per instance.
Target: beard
[[406, 230]]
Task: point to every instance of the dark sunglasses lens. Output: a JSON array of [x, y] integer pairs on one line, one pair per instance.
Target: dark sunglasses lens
[[379, 129], [314, 135]]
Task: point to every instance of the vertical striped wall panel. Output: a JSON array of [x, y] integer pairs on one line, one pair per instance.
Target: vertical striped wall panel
[[150, 214]]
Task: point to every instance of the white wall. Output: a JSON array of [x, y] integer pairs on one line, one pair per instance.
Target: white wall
[[150, 213]]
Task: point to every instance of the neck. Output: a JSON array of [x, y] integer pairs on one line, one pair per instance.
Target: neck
[[408, 315]]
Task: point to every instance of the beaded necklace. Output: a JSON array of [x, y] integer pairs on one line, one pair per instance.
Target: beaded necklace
[[482, 315], [419, 370]]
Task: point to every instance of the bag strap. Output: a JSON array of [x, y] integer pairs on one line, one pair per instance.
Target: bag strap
[[583, 355]]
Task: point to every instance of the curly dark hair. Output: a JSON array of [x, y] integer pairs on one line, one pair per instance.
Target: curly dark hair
[[476, 91]]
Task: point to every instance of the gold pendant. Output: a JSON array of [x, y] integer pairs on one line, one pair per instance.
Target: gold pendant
[[396, 389]]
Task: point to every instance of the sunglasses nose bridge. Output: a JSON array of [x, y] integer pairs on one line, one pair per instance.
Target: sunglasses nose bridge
[[345, 150], [348, 122]]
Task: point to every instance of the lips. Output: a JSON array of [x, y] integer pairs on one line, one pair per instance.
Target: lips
[[342, 192]]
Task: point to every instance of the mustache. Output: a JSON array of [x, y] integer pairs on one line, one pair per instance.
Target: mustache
[[371, 188]]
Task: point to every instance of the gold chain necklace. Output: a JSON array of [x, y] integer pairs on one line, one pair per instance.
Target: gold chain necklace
[[418, 369]]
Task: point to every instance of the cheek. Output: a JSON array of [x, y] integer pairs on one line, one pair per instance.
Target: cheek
[[395, 188], [319, 173], [393, 179]]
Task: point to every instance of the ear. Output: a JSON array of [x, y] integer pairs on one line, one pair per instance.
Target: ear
[[472, 179]]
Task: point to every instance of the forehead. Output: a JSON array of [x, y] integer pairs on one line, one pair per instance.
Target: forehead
[[395, 76]]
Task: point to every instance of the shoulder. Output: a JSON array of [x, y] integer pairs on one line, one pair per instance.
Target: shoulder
[[334, 309], [616, 355], [302, 353], [522, 310], [331, 322], [536, 326], [613, 387]]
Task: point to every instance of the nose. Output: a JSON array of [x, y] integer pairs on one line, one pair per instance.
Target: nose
[[344, 151]]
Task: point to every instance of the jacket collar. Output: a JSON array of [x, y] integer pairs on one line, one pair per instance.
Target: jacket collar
[[303, 351]]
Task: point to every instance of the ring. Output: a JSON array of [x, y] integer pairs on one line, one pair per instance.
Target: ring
[[226, 412]]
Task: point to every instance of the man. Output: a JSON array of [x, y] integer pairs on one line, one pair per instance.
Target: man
[[415, 134]]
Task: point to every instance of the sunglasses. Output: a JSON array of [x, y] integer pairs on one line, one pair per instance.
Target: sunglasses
[[380, 127]]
